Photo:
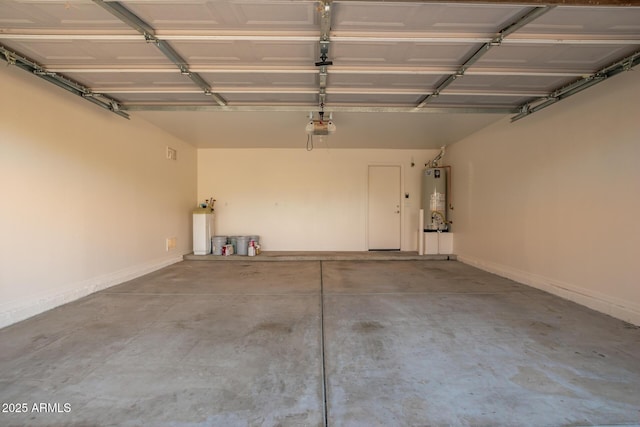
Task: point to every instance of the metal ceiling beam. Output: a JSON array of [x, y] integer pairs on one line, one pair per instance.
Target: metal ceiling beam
[[564, 92], [132, 20], [325, 35], [531, 39], [600, 41], [528, 17], [336, 69], [353, 38], [125, 15], [594, 3], [178, 91], [306, 108], [195, 69], [307, 90], [13, 58]]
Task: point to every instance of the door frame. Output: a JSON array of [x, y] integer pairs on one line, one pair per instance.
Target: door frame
[[400, 192]]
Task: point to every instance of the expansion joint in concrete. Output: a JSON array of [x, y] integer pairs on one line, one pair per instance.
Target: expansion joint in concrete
[[322, 349]]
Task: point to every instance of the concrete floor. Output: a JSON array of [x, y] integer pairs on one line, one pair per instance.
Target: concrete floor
[[362, 343]]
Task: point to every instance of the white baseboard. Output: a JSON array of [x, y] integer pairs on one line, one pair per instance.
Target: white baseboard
[[11, 313], [623, 310]]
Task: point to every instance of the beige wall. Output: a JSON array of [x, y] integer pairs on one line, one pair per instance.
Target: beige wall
[[299, 200], [87, 197], [553, 200]]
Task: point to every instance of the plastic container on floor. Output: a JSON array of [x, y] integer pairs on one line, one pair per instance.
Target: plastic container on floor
[[233, 241], [242, 245], [218, 243]]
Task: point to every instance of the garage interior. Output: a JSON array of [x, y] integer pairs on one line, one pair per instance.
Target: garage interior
[[119, 118]]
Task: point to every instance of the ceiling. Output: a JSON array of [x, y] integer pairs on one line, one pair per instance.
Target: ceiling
[[247, 73]]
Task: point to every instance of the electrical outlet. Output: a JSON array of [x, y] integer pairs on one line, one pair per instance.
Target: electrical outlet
[[172, 153], [171, 243]]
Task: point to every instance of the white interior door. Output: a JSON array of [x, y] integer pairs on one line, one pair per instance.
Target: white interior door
[[384, 207]]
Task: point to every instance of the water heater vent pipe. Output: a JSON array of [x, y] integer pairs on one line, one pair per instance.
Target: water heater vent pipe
[[436, 160]]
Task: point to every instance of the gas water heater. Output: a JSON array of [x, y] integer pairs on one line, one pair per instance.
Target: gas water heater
[[434, 199]]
